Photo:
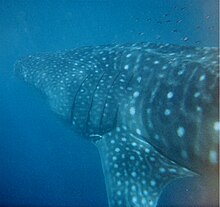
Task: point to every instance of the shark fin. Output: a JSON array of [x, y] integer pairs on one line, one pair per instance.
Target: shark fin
[[135, 172]]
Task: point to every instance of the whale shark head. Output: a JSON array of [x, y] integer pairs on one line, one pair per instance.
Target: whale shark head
[[151, 109]]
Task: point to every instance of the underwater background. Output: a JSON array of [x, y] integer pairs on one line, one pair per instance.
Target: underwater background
[[42, 162]]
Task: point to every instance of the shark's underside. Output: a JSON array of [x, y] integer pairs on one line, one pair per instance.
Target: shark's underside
[[151, 109]]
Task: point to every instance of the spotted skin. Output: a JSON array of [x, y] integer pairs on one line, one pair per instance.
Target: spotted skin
[[151, 109]]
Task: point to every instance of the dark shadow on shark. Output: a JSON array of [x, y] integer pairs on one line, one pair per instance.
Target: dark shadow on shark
[[151, 109]]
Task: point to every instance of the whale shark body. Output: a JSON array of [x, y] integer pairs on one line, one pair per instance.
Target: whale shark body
[[151, 109]]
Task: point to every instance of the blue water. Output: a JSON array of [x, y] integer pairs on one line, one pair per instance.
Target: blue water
[[42, 162]]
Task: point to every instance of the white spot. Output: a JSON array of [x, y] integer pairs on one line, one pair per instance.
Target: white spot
[[180, 72], [152, 159], [115, 165], [126, 67], [164, 67], [123, 139], [216, 126], [133, 187], [114, 158], [128, 55], [134, 199], [152, 182], [156, 62], [172, 170], [112, 141], [139, 79], [180, 131], [151, 203], [213, 158], [118, 182], [156, 137], [189, 56], [134, 174], [143, 201], [170, 95], [132, 110], [136, 94], [118, 129], [198, 108], [132, 158], [138, 131], [196, 95], [134, 144], [161, 75], [185, 39], [118, 192], [167, 112], [145, 192], [118, 174], [147, 150], [117, 150], [202, 77], [162, 170]]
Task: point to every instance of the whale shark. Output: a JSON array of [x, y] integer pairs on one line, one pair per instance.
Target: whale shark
[[151, 110]]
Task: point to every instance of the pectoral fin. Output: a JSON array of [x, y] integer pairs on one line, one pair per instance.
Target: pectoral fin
[[135, 173]]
